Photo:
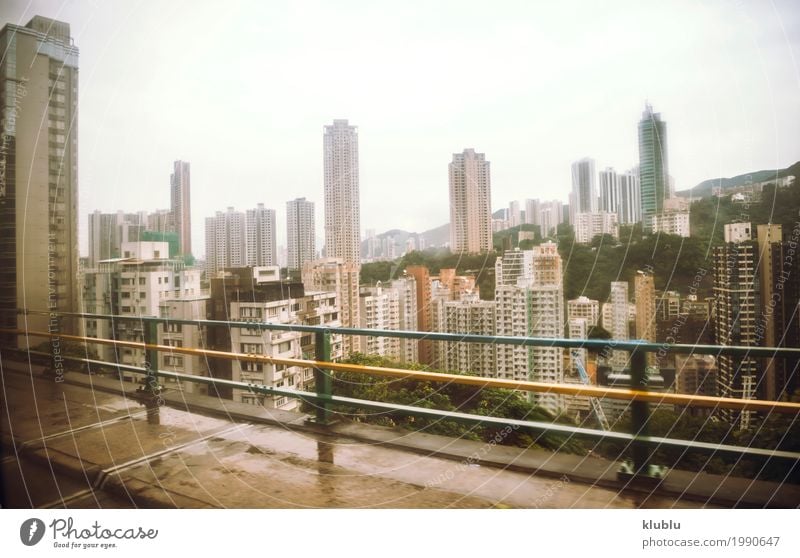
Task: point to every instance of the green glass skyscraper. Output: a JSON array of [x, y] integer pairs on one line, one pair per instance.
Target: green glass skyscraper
[[653, 165]]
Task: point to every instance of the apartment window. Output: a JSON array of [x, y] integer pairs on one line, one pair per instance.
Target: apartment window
[[252, 367], [125, 294], [285, 346], [251, 348], [174, 343], [174, 328], [247, 312], [142, 280], [173, 360]]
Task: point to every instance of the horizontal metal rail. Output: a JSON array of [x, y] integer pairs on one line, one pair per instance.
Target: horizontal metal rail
[[407, 410], [324, 399], [593, 344], [476, 381]]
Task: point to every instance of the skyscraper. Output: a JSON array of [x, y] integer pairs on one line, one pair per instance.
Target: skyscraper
[[630, 204], [545, 315], [260, 227], [584, 190], [470, 203], [738, 306], [645, 294], [226, 241], [334, 275], [342, 206], [180, 206], [38, 173], [300, 233], [618, 328], [342, 221], [609, 191], [424, 313], [653, 165]]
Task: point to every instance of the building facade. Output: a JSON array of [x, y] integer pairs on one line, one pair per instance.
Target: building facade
[[38, 174], [342, 192], [180, 206], [470, 203], [300, 233], [653, 165], [260, 235], [226, 241]]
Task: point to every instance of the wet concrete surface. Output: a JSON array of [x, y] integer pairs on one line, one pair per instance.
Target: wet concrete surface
[[83, 447]]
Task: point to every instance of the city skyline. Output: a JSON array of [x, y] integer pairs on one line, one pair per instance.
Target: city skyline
[[509, 116]]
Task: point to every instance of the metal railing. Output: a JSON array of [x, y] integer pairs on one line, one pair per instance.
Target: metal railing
[[322, 398]]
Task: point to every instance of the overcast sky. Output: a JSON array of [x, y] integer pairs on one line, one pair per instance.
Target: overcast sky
[[243, 89]]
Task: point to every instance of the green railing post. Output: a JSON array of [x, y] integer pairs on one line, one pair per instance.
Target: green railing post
[[641, 470], [322, 377], [151, 358]]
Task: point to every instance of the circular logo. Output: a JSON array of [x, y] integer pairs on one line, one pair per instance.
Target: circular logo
[[31, 531]]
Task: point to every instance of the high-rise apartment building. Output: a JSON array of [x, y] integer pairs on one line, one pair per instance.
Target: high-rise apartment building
[[470, 315], [38, 173], [532, 212], [644, 292], [380, 309], [226, 241], [342, 197], [738, 307], [406, 288], [609, 191], [779, 307], [589, 225], [551, 215], [583, 198], [546, 319], [584, 308], [424, 313], [653, 165], [260, 236], [300, 233], [180, 206], [618, 324], [470, 203], [630, 203], [529, 302], [514, 214], [342, 221], [334, 275]]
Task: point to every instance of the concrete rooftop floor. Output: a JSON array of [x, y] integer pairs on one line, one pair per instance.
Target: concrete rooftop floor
[[78, 444]]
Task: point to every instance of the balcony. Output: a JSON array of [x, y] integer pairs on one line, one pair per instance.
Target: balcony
[[92, 441]]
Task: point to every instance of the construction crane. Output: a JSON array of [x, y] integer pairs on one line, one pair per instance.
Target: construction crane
[[594, 402]]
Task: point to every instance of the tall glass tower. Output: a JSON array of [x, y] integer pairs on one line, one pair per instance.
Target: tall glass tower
[[653, 165]]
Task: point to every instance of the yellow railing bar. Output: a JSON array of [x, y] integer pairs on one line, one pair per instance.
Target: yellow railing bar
[[477, 381]]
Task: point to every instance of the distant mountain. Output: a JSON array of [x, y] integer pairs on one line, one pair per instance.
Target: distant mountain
[[705, 188], [435, 237]]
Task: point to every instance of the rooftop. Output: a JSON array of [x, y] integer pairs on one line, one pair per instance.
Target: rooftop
[[91, 442]]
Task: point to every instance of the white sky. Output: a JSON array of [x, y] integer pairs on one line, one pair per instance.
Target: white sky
[[243, 89]]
